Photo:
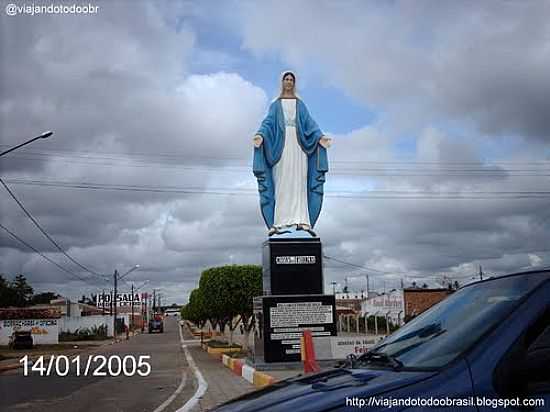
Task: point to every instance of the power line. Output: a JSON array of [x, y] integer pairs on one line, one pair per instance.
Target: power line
[[31, 217], [44, 256], [338, 170], [356, 266], [366, 268], [124, 155], [373, 194]]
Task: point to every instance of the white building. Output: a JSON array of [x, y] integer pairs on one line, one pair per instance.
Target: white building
[[390, 304]]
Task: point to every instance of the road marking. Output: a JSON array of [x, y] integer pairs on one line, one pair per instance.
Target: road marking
[[203, 386], [176, 392], [173, 396]]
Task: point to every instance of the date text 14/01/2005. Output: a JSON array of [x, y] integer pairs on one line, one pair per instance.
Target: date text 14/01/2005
[[96, 365]]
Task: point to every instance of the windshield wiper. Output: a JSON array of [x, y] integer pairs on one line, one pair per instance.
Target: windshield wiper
[[380, 357]]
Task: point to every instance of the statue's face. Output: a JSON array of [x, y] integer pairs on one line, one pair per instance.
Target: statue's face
[[288, 83]]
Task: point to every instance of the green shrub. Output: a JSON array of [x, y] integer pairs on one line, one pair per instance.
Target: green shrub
[[94, 333], [213, 343]]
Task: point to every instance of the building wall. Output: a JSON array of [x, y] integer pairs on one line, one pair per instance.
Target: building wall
[[44, 331], [86, 322], [391, 303], [354, 304], [420, 300]]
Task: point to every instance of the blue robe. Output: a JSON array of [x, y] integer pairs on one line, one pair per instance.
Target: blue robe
[[269, 153]]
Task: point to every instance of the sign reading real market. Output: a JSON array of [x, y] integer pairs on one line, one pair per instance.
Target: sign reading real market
[[123, 299]]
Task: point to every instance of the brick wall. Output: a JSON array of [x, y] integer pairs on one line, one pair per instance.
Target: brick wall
[[419, 300]]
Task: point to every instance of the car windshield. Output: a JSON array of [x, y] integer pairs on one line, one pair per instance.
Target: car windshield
[[446, 330]]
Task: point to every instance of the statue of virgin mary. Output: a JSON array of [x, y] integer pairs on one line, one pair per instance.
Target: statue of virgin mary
[[290, 162]]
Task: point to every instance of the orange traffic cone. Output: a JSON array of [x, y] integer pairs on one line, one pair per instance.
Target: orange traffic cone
[[308, 353]]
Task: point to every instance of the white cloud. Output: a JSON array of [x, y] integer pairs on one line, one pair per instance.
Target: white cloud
[[127, 111], [419, 61]]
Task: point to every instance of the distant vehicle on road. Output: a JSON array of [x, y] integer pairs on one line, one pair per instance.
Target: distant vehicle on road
[[172, 312], [487, 346], [156, 324]]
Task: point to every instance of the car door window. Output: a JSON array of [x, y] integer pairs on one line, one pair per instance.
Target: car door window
[[524, 370], [537, 342]]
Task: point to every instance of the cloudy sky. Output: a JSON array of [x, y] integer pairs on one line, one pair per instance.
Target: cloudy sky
[[438, 111]]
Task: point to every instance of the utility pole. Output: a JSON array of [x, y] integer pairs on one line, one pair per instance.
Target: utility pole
[[115, 277], [333, 287], [480, 273], [144, 310], [154, 300], [132, 317]]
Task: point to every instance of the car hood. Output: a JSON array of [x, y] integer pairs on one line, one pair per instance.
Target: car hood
[[323, 391]]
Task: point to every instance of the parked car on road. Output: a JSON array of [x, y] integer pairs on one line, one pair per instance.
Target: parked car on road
[[484, 348], [21, 340]]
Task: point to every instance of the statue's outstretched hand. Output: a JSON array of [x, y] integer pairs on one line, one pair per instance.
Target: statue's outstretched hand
[[258, 140], [325, 142]]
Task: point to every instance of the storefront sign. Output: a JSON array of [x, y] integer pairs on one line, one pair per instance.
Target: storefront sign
[[123, 299]]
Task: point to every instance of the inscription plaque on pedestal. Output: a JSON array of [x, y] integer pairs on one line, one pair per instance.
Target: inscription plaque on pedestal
[[283, 320], [292, 266]]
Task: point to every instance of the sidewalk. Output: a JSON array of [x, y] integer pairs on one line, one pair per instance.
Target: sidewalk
[[223, 385]]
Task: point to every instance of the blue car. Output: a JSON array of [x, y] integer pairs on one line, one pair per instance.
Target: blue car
[[484, 348]]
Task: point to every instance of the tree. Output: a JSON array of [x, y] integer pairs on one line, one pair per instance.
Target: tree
[[7, 294], [196, 309], [22, 290], [228, 292], [88, 300], [43, 298], [251, 286]]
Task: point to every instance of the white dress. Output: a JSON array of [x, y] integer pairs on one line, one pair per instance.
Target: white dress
[[290, 175]]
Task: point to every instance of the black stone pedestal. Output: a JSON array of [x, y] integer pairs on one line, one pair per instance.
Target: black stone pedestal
[[292, 266], [281, 321]]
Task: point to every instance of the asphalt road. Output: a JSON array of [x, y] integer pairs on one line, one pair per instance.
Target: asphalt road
[[110, 393]]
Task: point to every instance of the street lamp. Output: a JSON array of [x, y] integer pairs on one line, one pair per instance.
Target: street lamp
[[42, 136], [134, 290], [116, 278]]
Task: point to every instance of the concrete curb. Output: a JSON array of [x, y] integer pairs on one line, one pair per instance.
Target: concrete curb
[[4, 368], [239, 368]]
